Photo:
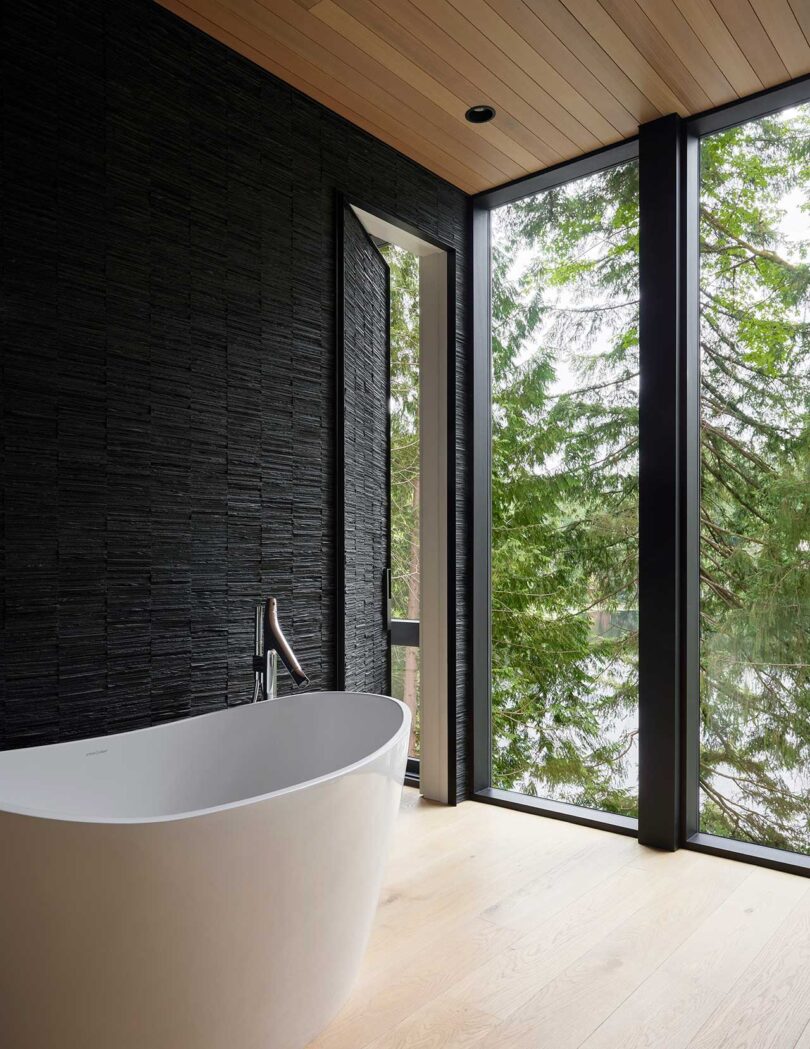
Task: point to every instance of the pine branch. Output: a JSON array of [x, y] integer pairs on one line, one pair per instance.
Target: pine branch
[[763, 253], [592, 309], [737, 445], [734, 494], [722, 592], [724, 405], [719, 528]]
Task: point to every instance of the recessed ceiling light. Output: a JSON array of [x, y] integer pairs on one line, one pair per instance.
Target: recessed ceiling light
[[479, 114]]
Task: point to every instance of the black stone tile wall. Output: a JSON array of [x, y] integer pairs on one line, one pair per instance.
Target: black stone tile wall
[[167, 315], [366, 456]]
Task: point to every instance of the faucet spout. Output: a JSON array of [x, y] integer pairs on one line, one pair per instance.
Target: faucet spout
[[274, 635], [272, 646]]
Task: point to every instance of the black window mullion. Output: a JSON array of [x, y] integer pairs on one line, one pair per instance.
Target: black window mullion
[[481, 507], [661, 329], [689, 377]]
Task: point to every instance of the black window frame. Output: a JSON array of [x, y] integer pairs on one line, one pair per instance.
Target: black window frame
[[482, 206], [754, 107], [668, 151]]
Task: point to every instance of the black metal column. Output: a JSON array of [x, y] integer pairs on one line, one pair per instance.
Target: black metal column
[[661, 329], [689, 408], [481, 509]]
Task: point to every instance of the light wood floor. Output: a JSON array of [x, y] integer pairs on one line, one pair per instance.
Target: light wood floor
[[500, 930]]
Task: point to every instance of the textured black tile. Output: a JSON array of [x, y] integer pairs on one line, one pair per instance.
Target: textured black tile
[[167, 253], [366, 503]]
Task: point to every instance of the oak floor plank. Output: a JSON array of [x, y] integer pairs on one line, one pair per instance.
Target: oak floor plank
[[401, 984], [769, 1006], [670, 1006], [471, 882], [503, 930], [570, 1007], [507, 980], [440, 1024], [579, 869]]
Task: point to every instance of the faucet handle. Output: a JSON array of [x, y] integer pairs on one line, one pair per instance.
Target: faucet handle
[[270, 646], [258, 654]]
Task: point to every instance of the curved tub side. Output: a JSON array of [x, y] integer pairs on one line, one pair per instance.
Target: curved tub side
[[240, 927]]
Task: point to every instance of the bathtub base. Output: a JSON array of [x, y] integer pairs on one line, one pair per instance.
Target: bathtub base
[[240, 927]]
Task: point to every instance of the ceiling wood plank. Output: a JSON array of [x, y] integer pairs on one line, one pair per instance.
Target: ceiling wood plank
[[558, 20], [290, 67], [525, 22], [626, 55], [785, 32], [690, 49], [564, 76], [364, 38], [441, 68], [463, 55], [637, 27], [403, 14], [354, 116], [724, 49], [756, 45], [305, 33], [571, 137], [501, 33], [801, 9]]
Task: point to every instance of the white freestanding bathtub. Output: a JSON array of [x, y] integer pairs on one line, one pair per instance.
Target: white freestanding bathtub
[[204, 884]]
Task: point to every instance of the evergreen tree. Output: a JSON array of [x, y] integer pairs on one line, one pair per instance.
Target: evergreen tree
[[565, 486], [404, 334]]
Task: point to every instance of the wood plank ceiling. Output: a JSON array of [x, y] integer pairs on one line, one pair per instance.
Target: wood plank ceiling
[[564, 76]]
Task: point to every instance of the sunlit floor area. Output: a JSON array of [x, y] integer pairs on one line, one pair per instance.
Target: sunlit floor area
[[502, 930]]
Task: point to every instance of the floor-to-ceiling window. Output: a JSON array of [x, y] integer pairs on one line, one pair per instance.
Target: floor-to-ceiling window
[[755, 481], [564, 492], [642, 485], [405, 477]]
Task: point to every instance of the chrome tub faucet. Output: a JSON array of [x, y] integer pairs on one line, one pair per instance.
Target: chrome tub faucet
[[270, 646]]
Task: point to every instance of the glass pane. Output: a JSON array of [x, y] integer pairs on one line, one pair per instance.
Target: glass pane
[[565, 492], [404, 432], [405, 686], [404, 269], [755, 481]]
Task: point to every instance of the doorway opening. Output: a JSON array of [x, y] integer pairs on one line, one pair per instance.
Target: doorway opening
[[416, 570]]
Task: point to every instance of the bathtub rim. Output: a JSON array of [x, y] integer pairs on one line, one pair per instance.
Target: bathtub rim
[[172, 817]]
